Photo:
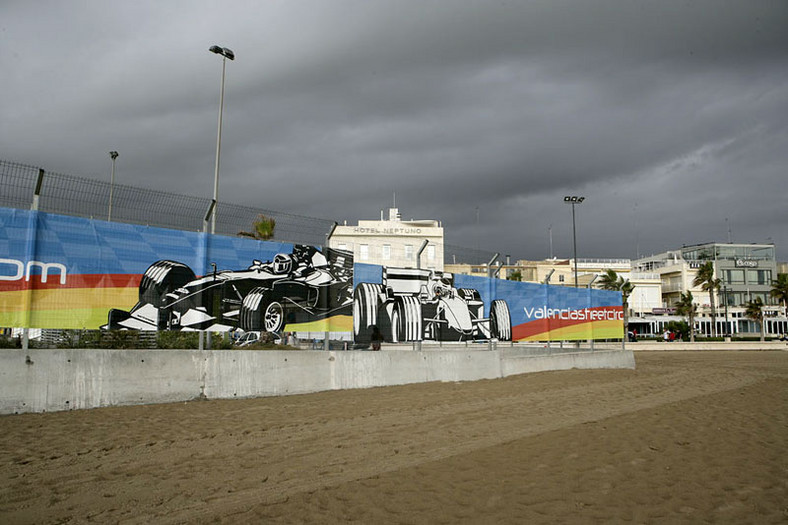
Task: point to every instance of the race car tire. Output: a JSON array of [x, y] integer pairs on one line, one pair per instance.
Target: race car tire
[[500, 321], [260, 313], [274, 317], [366, 308], [406, 320], [161, 278]]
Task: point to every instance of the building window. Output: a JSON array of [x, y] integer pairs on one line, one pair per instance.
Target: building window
[[734, 276], [431, 252], [760, 295], [560, 278], [409, 251], [363, 252], [386, 252], [759, 277]]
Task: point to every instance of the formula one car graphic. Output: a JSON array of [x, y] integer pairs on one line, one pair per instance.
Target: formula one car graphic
[[303, 286], [414, 305]]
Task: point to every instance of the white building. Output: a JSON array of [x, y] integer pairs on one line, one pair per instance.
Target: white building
[[676, 276], [746, 272], [392, 241]]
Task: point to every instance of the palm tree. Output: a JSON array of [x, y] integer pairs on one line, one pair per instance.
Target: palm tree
[[705, 279], [263, 228], [516, 275], [686, 306], [610, 280], [754, 311], [780, 291]]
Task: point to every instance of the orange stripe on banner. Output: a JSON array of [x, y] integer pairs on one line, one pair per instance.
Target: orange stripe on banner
[[99, 280]]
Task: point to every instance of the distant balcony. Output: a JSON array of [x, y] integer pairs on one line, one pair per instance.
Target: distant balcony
[[604, 263], [642, 276], [672, 287]]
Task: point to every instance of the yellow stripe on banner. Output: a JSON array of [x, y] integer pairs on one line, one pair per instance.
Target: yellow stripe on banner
[[65, 308], [74, 318], [337, 323]]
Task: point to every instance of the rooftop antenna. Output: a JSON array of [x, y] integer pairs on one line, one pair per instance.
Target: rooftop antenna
[[637, 232], [729, 230], [477, 231], [395, 200], [550, 234]]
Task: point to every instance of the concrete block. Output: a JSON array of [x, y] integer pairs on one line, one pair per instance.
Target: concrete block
[[49, 380]]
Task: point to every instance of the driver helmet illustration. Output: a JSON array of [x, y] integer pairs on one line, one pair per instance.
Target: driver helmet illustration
[[282, 264], [443, 286]]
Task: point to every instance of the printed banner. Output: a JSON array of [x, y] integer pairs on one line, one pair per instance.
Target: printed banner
[[68, 272]]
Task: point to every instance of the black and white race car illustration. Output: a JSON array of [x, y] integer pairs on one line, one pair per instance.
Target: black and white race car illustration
[[303, 286], [414, 305]]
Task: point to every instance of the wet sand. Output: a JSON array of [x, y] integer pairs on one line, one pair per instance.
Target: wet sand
[[686, 437]]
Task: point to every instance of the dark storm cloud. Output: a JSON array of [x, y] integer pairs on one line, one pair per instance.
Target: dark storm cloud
[[668, 116]]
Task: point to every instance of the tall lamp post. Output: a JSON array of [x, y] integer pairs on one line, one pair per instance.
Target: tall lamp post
[[727, 323], [113, 155], [574, 199], [225, 53]]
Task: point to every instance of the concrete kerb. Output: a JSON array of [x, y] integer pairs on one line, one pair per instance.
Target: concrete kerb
[[654, 346], [65, 379]]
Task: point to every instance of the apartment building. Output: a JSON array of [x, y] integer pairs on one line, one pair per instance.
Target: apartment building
[[392, 241]]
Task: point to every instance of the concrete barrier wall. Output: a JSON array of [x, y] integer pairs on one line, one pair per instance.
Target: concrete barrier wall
[[522, 364], [53, 380]]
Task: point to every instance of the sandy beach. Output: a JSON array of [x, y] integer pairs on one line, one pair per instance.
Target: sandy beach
[[687, 437]]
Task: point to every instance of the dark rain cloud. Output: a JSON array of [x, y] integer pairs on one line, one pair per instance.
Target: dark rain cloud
[[668, 116]]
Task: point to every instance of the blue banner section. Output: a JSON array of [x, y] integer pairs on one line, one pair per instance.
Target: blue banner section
[[406, 304], [87, 246], [367, 273], [527, 300]]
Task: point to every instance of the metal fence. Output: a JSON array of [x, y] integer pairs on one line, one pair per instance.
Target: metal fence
[[83, 197], [453, 254]]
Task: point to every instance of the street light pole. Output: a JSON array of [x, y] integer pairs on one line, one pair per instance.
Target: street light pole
[[727, 323], [550, 234], [574, 199], [113, 155], [226, 53], [591, 341]]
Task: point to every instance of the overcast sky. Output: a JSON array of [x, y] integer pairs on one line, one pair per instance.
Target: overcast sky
[[670, 117]]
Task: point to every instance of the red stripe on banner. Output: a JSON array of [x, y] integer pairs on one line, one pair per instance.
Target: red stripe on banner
[[521, 331], [98, 280], [541, 326]]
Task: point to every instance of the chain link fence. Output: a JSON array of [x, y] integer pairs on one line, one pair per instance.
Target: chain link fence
[[83, 197], [453, 254]]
